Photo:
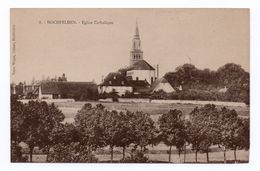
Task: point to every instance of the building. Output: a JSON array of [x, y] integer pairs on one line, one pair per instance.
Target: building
[[68, 90], [22, 90], [115, 82], [139, 69], [138, 76], [162, 84]]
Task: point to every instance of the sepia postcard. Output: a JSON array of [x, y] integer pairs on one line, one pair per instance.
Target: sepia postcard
[[128, 85]]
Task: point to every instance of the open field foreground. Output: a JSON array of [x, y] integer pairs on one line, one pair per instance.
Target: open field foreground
[[159, 154], [155, 109]]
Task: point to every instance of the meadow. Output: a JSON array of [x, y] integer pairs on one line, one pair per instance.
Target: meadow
[[154, 109]]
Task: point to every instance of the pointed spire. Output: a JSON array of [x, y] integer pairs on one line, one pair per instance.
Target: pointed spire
[[136, 30]]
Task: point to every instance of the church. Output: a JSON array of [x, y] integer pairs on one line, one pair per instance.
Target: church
[[137, 78]]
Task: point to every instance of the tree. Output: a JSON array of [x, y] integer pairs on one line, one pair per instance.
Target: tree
[[39, 121], [90, 122], [206, 132], [239, 136], [61, 153], [236, 79], [245, 133], [194, 136], [67, 145], [126, 132], [226, 122], [17, 113], [112, 130], [71, 153], [118, 130], [144, 130], [230, 73], [173, 131], [204, 84], [65, 134], [16, 153], [17, 133]]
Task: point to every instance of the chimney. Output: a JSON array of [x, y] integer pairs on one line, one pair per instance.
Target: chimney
[[102, 78], [154, 72], [157, 71]]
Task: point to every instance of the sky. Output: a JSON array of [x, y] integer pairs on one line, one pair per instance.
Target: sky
[[207, 38]]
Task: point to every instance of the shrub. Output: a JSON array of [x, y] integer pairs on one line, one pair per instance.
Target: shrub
[[136, 157], [72, 153], [16, 154]]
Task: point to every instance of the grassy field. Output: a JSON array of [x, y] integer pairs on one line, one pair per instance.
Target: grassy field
[[158, 154], [154, 109]]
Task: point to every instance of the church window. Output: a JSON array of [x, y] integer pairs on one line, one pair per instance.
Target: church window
[[151, 79], [137, 78]]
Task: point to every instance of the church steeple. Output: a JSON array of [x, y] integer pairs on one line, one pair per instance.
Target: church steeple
[[136, 53], [136, 30]]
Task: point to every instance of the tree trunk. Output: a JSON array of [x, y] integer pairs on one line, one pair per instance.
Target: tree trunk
[[47, 155], [235, 154], [207, 153], [196, 156], [31, 153], [179, 155], [170, 153], [89, 149], [184, 155], [225, 161], [124, 153], [112, 153]]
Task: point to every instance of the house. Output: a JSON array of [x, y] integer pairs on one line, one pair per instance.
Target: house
[[25, 91], [115, 82], [162, 84], [70, 90], [140, 86]]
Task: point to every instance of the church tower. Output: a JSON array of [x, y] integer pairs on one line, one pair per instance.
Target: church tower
[[136, 53]]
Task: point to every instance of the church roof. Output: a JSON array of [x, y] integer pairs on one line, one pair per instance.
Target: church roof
[[140, 65], [115, 79]]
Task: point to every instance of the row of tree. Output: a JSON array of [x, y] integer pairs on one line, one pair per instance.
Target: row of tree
[[40, 125], [194, 81]]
